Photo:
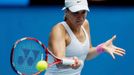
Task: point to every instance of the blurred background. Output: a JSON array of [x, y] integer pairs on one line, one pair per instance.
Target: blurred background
[[35, 18]]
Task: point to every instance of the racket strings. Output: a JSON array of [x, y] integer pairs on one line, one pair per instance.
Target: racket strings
[[46, 52], [26, 55]]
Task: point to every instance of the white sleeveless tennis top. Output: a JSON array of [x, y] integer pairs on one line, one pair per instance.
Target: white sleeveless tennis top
[[75, 48]]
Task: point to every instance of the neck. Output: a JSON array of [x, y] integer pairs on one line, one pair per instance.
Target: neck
[[74, 28]]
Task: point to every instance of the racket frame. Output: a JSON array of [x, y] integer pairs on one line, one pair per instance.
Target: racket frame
[[14, 46]]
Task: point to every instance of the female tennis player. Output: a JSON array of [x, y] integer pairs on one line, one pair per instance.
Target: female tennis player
[[71, 39]]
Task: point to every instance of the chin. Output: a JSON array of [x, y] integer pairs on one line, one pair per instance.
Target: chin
[[79, 23]]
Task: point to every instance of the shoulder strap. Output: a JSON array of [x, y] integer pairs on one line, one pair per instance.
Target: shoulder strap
[[71, 34]]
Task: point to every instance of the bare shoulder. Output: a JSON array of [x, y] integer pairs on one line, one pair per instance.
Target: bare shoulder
[[58, 29], [57, 32]]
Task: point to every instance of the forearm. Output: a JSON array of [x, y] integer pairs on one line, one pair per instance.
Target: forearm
[[94, 51]]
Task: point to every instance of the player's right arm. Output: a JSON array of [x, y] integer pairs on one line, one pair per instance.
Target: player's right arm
[[57, 44], [57, 41]]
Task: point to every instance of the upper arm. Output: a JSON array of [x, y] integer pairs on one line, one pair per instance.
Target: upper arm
[[57, 41]]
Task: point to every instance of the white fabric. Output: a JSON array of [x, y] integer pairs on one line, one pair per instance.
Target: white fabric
[[75, 48], [76, 5]]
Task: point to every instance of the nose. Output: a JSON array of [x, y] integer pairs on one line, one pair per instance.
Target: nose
[[80, 16]]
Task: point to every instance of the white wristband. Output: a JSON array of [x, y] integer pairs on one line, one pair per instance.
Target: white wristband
[[66, 61]]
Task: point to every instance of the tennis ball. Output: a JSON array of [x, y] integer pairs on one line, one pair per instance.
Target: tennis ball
[[41, 65]]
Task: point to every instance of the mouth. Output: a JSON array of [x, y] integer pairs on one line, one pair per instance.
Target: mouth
[[79, 21]]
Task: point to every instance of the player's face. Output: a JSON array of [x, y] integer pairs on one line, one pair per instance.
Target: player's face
[[77, 18]]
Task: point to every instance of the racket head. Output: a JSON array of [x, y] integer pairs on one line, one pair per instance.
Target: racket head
[[25, 54]]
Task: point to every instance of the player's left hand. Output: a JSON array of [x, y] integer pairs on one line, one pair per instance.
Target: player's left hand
[[112, 49]]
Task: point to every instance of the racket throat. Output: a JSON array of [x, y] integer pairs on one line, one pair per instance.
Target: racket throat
[[54, 63]]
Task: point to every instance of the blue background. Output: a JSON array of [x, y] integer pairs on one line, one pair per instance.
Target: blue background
[[37, 22], [14, 2]]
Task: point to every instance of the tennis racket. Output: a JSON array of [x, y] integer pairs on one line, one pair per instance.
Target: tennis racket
[[27, 51]]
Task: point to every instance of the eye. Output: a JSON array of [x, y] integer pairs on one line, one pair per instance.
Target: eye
[[83, 12], [75, 13], [79, 12]]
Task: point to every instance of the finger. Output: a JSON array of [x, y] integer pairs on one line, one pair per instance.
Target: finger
[[110, 40], [117, 48], [113, 38], [76, 64], [120, 49], [112, 55], [76, 59], [118, 53], [81, 62]]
